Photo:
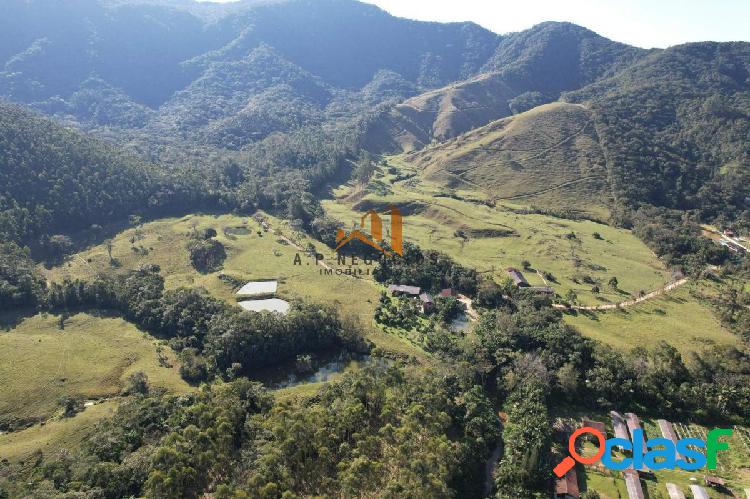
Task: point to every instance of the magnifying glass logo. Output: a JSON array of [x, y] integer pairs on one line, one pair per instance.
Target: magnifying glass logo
[[570, 461]]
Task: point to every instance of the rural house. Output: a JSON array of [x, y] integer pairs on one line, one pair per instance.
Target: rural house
[[518, 279]]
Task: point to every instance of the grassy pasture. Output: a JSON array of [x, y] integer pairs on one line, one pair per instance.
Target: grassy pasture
[[55, 435], [676, 317], [549, 155], [91, 358], [493, 238], [250, 256]]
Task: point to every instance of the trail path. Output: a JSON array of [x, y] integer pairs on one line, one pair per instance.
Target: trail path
[[469, 303], [627, 303]]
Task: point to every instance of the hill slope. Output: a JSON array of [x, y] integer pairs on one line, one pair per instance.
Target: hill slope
[[552, 150], [527, 69]]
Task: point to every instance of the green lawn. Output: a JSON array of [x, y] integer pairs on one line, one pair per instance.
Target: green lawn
[[91, 358], [676, 317]]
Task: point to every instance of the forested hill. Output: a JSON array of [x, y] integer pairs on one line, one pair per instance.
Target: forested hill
[[527, 69], [246, 70], [675, 127], [56, 179]]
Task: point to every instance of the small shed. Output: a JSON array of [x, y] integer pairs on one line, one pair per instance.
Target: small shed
[[635, 424], [402, 289], [667, 431], [674, 492], [427, 303], [714, 481], [566, 487], [518, 279], [446, 293]]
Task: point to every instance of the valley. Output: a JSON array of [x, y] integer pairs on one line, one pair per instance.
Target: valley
[[204, 291]]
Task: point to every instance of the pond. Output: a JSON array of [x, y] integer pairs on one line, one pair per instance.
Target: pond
[[237, 231], [321, 367]]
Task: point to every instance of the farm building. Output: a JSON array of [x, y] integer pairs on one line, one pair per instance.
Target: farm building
[[268, 305], [401, 289], [542, 290], [699, 492], [674, 492], [667, 431], [618, 423], [446, 293], [254, 289], [714, 482], [518, 279], [633, 484], [635, 424], [567, 486], [427, 303]]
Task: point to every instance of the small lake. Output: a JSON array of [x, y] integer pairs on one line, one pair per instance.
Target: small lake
[[325, 366]]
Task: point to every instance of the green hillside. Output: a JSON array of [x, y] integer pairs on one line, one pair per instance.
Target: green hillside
[[549, 156]]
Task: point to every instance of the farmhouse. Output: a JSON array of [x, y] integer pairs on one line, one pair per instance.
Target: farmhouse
[[402, 289], [674, 492], [518, 279], [567, 486], [256, 289], [427, 303]]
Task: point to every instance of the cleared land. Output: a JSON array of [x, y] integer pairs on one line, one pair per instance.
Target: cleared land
[[578, 254], [252, 254], [676, 317], [66, 433], [91, 357], [549, 155]]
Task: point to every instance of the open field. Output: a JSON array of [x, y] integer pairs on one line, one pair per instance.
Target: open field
[[493, 238], [676, 317], [56, 435], [549, 156], [252, 254], [91, 358]]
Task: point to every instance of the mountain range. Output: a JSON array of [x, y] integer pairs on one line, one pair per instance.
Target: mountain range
[[184, 83]]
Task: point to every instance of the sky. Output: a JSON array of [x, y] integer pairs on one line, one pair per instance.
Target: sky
[[644, 23]]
